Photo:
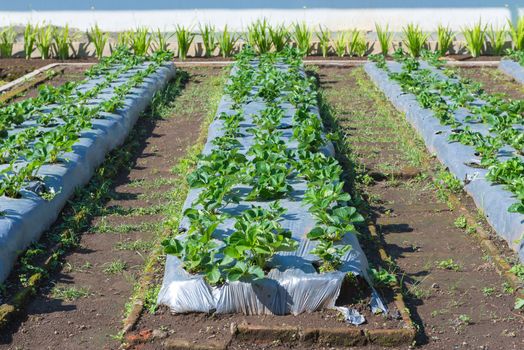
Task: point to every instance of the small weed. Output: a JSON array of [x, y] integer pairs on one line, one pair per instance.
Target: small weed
[[446, 182], [436, 313], [448, 264], [115, 267], [68, 267], [382, 277], [461, 222], [465, 319], [507, 288], [138, 245], [69, 293], [365, 179], [470, 230], [518, 270], [488, 291], [150, 298]]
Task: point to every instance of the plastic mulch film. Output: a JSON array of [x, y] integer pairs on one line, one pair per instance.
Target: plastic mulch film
[[293, 285], [512, 69], [460, 159], [24, 219]]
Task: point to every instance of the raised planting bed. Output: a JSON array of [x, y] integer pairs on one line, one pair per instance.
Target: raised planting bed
[[478, 136], [268, 229], [52, 143]]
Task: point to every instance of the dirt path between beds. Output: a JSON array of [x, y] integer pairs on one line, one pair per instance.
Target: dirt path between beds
[[453, 291], [83, 305]]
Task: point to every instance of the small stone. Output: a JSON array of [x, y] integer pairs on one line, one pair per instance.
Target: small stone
[[56, 332], [82, 327], [435, 286], [233, 328], [159, 334]]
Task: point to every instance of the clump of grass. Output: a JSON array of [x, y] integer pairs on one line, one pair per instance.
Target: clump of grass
[[258, 36], [461, 222], [324, 37], [357, 44], [414, 39], [384, 38], [124, 39], [99, 39], [159, 40], [445, 37], [497, 39], [517, 33], [302, 36], [340, 44], [69, 293], [115, 267], [207, 31], [29, 40], [448, 264], [227, 42], [279, 35], [44, 40], [62, 41], [475, 37], [184, 38], [140, 41], [7, 40]]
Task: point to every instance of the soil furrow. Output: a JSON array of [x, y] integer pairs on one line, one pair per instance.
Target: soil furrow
[[453, 290], [83, 305]]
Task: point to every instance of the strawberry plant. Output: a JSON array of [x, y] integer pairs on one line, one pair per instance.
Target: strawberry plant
[[330, 255], [257, 237]]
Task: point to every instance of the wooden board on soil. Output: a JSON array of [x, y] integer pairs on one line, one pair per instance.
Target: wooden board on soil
[[328, 326], [14, 68]]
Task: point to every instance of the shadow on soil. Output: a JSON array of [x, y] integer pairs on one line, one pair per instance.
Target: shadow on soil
[[350, 165], [125, 158]]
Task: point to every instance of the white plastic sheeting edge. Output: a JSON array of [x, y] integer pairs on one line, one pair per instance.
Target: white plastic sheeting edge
[[512, 69], [26, 218]]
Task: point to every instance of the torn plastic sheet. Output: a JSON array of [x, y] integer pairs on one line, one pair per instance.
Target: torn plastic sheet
[[351, 315], [512, 69], [461, 160], [292, 285]]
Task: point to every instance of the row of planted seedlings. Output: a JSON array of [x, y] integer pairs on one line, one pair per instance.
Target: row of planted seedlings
[[38, 140], [267, 210], [491, 124], [37, 131]]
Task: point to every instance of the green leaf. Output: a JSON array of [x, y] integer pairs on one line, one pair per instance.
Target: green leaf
[[232, 252], [256, 271], [315, 233], [516, 208], [174, 247], [519, 303], [213, 275]]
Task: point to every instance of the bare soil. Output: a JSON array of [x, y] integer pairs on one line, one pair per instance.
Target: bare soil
[[60, 76], [471, 58], [14, 68], [494, 81], [121, 235], [463, 306]]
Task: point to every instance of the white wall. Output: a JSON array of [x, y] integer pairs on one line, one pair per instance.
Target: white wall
[[119, 15]]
